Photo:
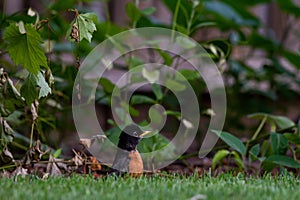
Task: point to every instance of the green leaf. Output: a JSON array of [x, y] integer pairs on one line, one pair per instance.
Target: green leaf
[[132, 12], [168, 60], [185, 42], [156, 88], [289, 7], [28, 89], [141, 99], [293, 58], [151, 76], [173, 113], [85, 25], [189, 74], [228, 13], [219, 156], [44, 87], [57, 153], [107, 85], [293, 138], [281, 121], [126, 107], [174, 85], [155, 115], [254, 151], [279, 143], [148, 11], [283, 160], [238, 160], [232, 141], [134, 62], [25, 49]]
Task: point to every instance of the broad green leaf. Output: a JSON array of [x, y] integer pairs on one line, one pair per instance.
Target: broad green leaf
[[219, 156], [132, 12], [254, 151], [232, 141], [25, 49], [293, 58], [293, 138], [185, 42], [189, 74], [156, 88], [44, 87], [148, 11], [107, 85], [85, 25], [283, 160], [281, 121], [168, 60], [155, 116], [28, 89], [229, 13], [141, 99], [279, 143], [289, 6], [174, 85]]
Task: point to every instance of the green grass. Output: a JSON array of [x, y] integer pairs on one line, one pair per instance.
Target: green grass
[[174, 187]]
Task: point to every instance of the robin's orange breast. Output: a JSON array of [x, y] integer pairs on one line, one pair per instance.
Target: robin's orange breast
[[136, 166]]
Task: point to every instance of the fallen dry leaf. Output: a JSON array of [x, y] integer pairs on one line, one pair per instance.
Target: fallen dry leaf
[[52, 167], [95, 164]]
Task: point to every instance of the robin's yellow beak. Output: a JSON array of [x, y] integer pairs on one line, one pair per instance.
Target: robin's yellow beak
[[145, 133]]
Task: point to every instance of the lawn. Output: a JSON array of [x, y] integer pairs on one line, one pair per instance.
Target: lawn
[[224, 186]]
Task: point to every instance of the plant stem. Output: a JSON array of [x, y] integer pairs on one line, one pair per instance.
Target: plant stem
[[174, 21], [258, 130], [31, 135]]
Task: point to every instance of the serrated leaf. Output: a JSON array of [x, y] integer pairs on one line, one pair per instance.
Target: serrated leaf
[[85, 25], [44, 87], [220, 155], [28, 89], [25, 49], [232, 141]]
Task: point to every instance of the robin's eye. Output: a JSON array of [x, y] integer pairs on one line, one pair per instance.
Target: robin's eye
[[135, 133]]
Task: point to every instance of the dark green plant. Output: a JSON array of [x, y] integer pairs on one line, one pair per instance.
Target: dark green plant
[[276, 146]]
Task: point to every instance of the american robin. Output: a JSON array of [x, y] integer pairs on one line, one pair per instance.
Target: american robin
[[128, 159]]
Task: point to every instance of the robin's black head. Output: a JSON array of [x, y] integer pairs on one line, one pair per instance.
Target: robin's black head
[[130, 137]]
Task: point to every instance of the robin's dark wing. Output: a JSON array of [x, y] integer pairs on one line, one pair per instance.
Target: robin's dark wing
[[122, 160]]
